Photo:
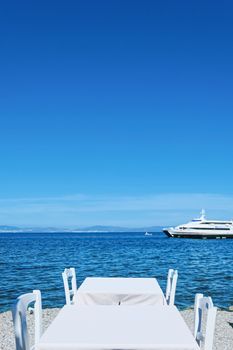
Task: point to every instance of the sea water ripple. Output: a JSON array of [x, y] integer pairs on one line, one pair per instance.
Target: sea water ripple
[[35, 261]]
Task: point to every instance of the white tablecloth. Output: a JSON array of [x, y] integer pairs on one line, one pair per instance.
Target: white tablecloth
[[118, 327], [115, 291]]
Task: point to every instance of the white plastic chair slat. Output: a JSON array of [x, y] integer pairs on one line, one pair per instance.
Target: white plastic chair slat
[[69, 293], [204, 304], [171, 286], [197, 316], [210, 326], [20, 322], [38, 316], [168, 289]]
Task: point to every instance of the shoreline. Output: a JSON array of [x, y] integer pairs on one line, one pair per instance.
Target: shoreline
[[223, 339]]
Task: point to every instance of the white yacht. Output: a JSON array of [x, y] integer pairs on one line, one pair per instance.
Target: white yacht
[[202, 228]]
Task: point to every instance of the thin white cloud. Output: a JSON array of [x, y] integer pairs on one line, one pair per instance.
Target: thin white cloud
[[81, 209], [73, 197]]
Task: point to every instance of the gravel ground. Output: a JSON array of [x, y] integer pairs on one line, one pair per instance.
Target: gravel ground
[[223, 332], [223, 339]]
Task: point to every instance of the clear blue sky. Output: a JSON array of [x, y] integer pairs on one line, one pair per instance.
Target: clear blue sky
[[115, 102]]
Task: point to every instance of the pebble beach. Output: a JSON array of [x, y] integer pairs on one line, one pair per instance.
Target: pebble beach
[[223, 331]]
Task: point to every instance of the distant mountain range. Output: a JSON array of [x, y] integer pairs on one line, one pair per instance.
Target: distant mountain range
[[97, 228]]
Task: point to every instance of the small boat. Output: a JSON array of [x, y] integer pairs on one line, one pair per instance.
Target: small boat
[[148, 234], [202, 228]]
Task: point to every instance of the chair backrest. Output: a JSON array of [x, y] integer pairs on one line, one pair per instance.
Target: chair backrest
[[20, 319], [171, 286], [204, 305], [70, 284]]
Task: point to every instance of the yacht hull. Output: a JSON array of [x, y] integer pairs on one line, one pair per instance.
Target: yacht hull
[[199, 235]]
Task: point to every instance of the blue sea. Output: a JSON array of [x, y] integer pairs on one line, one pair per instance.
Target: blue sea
[[36, 260]]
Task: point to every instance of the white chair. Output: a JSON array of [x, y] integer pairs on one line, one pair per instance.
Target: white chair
[[204, 305], [70, 284], [20, 319], [171, 286]]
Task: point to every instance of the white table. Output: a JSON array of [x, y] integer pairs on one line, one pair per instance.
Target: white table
[[118, 327], [115, 291]]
